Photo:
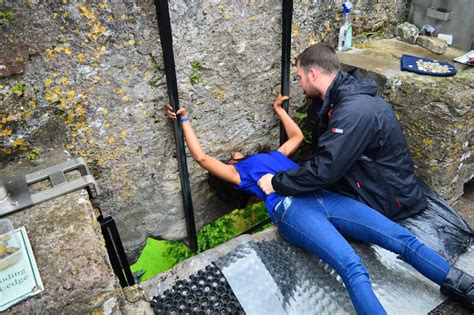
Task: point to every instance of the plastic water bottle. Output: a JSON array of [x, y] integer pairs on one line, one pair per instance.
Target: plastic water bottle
[[345, 34]]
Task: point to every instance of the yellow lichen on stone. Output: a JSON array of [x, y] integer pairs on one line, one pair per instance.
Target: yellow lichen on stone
[[220, 93], [69, 119], [18, 142], [70, 94], [85, 11], [312, 39], [7, 132], [47, 82], [64, 81], [228, 15], [32, 103], [50, 53], [50, 96], [296, 30], [130, 42], [80, 57], [428, 142]]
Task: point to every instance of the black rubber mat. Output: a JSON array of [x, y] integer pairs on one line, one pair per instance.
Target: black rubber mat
[[204, 292], [449, 307]]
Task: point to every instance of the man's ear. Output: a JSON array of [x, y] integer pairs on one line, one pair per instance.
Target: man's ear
[[313, 75]]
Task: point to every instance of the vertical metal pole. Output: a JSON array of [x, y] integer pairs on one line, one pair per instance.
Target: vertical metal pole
[[114, 246], [112, 227], [114, 260], [164, 25], [287, 15]]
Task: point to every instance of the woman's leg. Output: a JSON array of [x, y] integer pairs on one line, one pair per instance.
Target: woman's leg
[[361, 222], [302, 221]]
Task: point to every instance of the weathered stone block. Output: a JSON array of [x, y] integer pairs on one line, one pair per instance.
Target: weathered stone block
[[434, 44], [71, 257], [407, 32]]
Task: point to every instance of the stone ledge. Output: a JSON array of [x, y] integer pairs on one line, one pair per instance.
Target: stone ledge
[[71, 258]]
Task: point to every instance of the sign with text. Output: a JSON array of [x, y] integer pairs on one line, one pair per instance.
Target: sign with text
[[20, 279]]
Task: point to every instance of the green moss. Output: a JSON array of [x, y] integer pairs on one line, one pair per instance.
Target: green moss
[[157, 72], [34, 154], [160, 255], [195, 77], [153, 259], [19, 89], [5, 13]]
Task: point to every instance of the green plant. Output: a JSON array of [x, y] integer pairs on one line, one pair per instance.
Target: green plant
[[5, 14], [19, 89], [156, 72], [308, 136], [161, 255], [301, 117], [34, 154], [376, 34], [216, 233], [195, 77]]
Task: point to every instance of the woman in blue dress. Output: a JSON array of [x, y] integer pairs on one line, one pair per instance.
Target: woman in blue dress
[[318, 221]]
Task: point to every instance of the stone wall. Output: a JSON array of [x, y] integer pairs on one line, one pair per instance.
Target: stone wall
[[87, 77]]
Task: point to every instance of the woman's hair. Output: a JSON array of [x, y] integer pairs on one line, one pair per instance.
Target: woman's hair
[[226, 192]]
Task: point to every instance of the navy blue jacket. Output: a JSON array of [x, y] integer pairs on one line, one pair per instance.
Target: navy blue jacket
[[361, 152]]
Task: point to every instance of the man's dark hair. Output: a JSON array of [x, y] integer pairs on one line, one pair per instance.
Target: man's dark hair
[[226, 192], [319, 55]]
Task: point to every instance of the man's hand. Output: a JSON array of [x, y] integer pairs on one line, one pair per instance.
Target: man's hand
[[265, 184]]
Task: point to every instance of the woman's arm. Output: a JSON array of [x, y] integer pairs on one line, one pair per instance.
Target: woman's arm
[[295, 135], [212, 165]]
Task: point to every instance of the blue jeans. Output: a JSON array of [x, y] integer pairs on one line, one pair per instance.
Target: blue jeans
[[317, 222]]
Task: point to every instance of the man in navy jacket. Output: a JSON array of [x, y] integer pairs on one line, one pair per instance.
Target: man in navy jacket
[[360, 150]]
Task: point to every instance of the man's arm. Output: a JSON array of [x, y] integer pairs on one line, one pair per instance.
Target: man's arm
[[348, 135]]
